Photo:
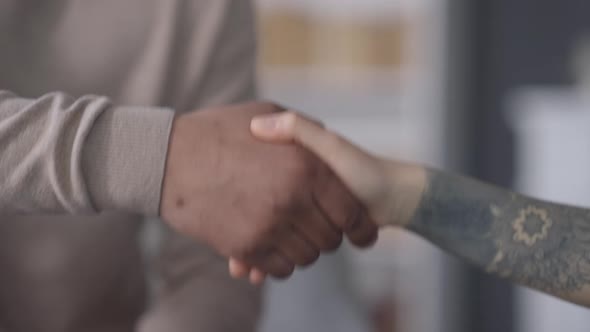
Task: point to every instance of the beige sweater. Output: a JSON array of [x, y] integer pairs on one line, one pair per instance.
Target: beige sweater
[[93, 88]]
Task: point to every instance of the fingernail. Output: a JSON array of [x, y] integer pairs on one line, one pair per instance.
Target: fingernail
[[266, 122]]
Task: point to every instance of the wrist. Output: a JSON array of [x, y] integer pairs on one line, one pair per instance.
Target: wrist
[[406, 184], [172, 197], [184, 174]]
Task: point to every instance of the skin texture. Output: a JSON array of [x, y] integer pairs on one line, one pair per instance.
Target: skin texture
[[272, 206], [535, 243], [531, 242]]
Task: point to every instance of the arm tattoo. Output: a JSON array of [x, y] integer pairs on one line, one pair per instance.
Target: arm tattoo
[[535, 243]]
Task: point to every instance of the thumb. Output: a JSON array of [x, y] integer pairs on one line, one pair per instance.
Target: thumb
[[334, 150], [282, 127]]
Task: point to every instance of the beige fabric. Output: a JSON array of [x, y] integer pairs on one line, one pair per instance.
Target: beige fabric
[[66, 155], [85, 128]]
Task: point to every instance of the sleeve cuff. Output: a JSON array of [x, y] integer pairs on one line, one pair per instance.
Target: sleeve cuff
[[124, 159]]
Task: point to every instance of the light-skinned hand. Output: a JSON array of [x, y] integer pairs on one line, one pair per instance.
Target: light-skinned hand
[[387, 188]]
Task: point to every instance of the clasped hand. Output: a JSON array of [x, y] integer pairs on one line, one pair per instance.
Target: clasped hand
[[270, 206]]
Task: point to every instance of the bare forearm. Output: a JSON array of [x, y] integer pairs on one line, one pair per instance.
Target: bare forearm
[[534, 243]]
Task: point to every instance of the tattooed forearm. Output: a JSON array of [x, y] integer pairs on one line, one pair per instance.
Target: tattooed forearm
[[535, 243]]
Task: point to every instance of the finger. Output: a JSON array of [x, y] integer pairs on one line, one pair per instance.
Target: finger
[[365, 232], [238, 269], [318, 229], [257, 277], [277, 265], [276, 126], [346, 213], [336, 201], [298, 250]]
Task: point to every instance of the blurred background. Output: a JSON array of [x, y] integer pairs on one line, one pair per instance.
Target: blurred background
[[497, 89]]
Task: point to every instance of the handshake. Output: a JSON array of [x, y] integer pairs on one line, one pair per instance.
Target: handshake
[[271, 190]]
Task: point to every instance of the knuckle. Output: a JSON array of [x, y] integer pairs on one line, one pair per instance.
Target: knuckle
[[242, 252], [301, 261], [286, 208], [311, 258], [266, 224], [284, 272], [365, 240], [334, 242], [253, 245], [305, 260], [353, 219]]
